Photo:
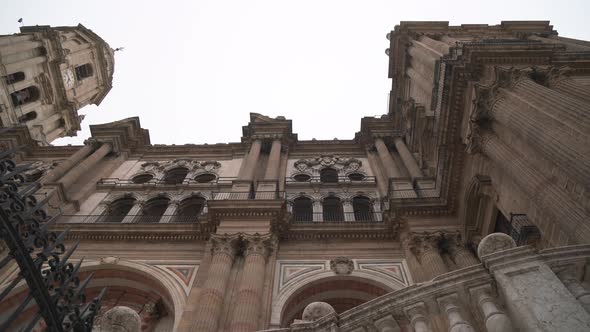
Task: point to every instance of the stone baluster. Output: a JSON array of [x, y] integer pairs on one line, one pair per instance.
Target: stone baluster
[[85, 166], [407, 158], [170, 213], [248, 299], [251, 161], [545, 194], [494, 318], [418, 317], [387, 324], [571, 282], [206, 316], [543, 133], [425, 246], [133, 213], [462, 256], [449, 304], [67, 164], [274, 161], [391, 168]]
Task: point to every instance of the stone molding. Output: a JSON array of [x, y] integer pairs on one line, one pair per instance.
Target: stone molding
[[313, 166]]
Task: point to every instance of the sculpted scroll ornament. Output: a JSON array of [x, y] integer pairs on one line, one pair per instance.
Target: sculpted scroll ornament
[[314, 165]]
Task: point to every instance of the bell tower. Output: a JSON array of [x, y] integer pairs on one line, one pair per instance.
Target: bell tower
[[47, 74]]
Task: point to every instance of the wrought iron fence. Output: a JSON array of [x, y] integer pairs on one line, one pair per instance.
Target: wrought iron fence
[[117, 182], [336, 217], [359, 179], [523, 231], [135, 219], [53, 282], [245, 195]]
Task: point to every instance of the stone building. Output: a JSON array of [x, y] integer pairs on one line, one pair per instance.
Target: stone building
[[47, 74], [465, 208]]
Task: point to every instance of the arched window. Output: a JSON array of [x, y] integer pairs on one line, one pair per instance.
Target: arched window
[[329, 175], [190, 209], [363, 208], [24, 96], [15, 77], [27, 117], [83, 71], [332, 209], [118, 209], [154, 209], [142, 178], [175, 175], [302, 177], [303, 209], [205, 177]]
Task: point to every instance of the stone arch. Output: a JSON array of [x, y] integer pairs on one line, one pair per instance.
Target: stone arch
[[115, 196], [354, 289]]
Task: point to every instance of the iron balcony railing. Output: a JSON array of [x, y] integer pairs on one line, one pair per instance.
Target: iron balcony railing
[[336, 217], [115, 182], [128, 219], [523, 231], [246, 195], [340, 179]]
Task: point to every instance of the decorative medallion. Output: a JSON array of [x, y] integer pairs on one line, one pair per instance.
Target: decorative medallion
[[342, 265]]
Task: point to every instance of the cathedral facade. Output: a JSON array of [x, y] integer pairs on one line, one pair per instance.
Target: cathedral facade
[[465, 208]]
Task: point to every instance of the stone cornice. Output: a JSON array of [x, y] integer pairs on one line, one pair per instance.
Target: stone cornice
[[135, 232]]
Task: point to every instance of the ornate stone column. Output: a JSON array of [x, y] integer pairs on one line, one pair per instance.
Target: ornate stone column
[[66, 165], [494, 318], [571, 282], [418, 317], [407, 158], [545, 194], [274, 160], [249, 296], [462, 256], [85, 166], [206, 315], [558, 80], [425, 246], [457, 323], [391, 168], [251, 161]]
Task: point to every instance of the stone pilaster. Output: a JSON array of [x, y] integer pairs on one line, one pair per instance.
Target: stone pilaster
[[274, 161], [391, 168], [418, 317], [425, 247], [462, 256], [251, 161], [206, 315], [450, 305], [66, 165], [494, 319], [408, 158], [249, 296], [85, 166]]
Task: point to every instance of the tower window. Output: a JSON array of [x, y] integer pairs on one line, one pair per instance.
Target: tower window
[[329, 175], [25, 96], [27, 117], [175, 175], [83, 71], [15, 77]]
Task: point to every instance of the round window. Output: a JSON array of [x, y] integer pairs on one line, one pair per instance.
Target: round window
[[301, 177], [204, 178], [143, 178], [356, 177]]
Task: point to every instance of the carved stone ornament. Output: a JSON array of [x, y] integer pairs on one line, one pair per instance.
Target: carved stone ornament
[[342, 265], [191, 164], [224, 244], [119, 319], [38, 167], [419, 243], [493, 243], [257, 244], [316, 310], [314, 165], [109, 260]]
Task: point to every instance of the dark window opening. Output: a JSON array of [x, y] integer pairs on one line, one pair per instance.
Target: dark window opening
[[329, 175], [154, 209], [191, 206], [118, 210], [302, 177], [356, 177], [303, 209], [15, 77], [204, 178], [175, 176], [25, 96], [142, 178], [332, 209], [83, 71], [27, 117], [502, 224], [363, 208]]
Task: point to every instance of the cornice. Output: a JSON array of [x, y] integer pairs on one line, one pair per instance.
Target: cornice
[[135, 232]]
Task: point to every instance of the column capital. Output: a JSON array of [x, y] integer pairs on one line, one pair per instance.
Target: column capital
[[508, 77], [258, 244], [224, 244], [419, 243]]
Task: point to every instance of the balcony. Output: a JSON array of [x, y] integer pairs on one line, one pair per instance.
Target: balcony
[[129, 219], [336, 218], [353, 179], [247, 195], [131, 184]]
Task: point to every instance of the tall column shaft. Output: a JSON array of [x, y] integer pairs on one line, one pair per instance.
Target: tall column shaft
[[85, 166], [545, 194], [206, 316], [425, 246], [391, 168], [274, 161], [66, 165], [547, 136], [249, 296], [251, 161], [572, 88], [463, 257], [407, 158]]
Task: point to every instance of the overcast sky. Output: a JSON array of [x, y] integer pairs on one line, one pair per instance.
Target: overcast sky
[[194, 70]]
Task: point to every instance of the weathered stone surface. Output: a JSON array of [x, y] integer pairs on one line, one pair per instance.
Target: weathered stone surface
[[316, 310]]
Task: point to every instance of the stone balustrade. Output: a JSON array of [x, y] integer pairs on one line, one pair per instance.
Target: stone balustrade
[[469, 299]]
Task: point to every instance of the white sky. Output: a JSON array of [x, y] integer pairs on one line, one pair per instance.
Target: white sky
[[194, 70]]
